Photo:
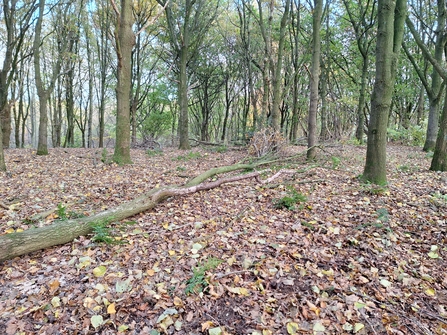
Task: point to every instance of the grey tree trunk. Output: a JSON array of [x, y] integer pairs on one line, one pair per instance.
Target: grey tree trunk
[[439, 161], [433, 89], [391, 18], [183, 94], [314, 80], [277, 96], [42, 92], [435, 92], [125, 40], [2, 154]]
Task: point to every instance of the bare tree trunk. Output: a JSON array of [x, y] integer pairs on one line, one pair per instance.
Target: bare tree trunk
[[391, 18], [42, 92], [277, 96], [125, 40], [314, 80], [2, 154]]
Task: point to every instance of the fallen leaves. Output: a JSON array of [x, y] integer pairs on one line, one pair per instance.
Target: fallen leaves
[[350, 261]]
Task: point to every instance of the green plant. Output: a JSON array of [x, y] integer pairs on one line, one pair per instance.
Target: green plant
[[355, 141], [335, 162], [102, 233], [104, 156], [439, 199], [374, 189], [404, 168], [413, 135], [181, 168], [383, 215], [198, 282], [61, 212], [289, 201], [307, 225], [222, 149], [155, 152]]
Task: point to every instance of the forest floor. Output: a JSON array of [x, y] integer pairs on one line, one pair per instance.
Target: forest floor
[[349, 258]]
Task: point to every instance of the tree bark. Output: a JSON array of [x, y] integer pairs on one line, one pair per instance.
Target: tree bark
[[42, 92], [277, 96], [125, 40], [314, 80], [2, 153], [439, 161], [21, 243], [391, 18]]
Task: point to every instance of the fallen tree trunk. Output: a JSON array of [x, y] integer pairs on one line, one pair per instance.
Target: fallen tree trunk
[[20, 243]]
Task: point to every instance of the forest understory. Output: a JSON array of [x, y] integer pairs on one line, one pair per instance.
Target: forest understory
[[314, 251]]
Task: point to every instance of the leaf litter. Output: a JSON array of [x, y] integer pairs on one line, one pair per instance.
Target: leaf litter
[[350, 259]]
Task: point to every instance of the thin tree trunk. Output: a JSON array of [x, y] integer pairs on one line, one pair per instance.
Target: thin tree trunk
[[125, 40], [2, 153], [439, 161], [314, 80], [183, 96], [277, 96]]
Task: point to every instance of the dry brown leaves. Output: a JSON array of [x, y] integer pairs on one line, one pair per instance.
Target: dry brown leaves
[[352, 259]]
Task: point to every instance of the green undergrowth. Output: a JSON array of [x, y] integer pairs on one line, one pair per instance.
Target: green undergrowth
[[198, 282], [290, 200]]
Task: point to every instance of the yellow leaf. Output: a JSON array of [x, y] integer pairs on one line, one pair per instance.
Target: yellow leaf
[[99, 271], [9, 230], [56, 302], [54, 285], [358, 326], [231, 260], [244, 291], [178, 301], [207, 325], [430, 291], [19, 230], [111, 308], [292, 328], [150, 272], [171, 252]]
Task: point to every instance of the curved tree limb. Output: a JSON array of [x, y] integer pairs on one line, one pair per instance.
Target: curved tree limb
[[21, 243]]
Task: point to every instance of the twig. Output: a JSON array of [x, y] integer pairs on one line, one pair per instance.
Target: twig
[[221, 275], [115, 7], [367, 320], [149, 22], [277, 174]]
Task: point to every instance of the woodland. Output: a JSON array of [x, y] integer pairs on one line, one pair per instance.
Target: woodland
[[223, 167]]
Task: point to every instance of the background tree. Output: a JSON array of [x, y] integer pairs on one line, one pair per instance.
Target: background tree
[[433, 86], [362, 16], [187, 25], [45, 88]]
